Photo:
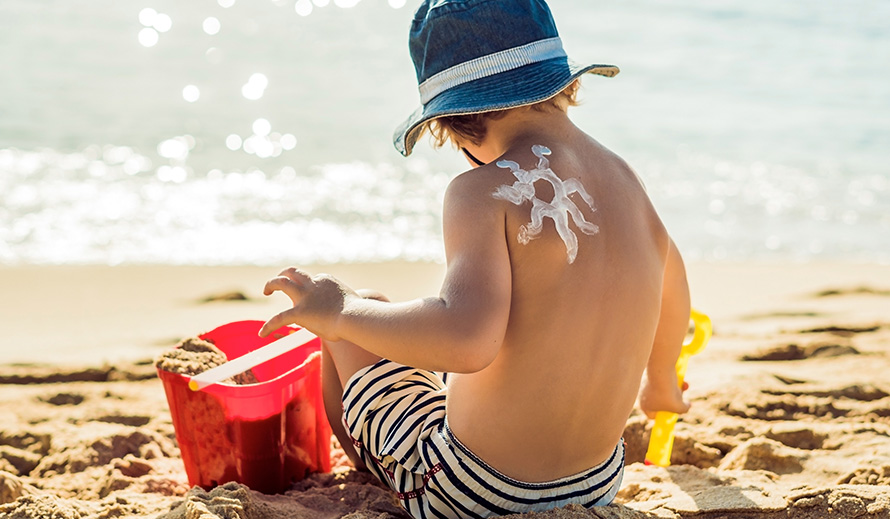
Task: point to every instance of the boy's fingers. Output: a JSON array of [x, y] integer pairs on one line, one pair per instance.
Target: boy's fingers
[[290, 281], [296, 275], [290, 287], [266, 329], [283, 319]]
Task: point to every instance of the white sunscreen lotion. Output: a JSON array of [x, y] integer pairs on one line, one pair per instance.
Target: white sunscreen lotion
[[559, 209]]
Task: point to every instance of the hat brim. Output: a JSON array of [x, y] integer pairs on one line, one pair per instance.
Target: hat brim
[[521, 86]]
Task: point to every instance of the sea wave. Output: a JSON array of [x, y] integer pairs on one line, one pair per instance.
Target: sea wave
[[111, 205]]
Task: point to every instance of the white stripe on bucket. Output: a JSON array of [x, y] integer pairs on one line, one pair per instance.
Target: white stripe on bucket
[[251, 360]]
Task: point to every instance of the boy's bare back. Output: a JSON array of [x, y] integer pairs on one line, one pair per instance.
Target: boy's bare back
[[547, 339], [555, 399]]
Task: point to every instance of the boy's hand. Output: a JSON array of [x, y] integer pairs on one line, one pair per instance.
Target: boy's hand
[[667, 396], [317, 302]]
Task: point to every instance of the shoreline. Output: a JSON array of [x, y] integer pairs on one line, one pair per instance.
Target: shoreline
[[64, 315]]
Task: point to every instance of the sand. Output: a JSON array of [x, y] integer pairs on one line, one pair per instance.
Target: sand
[[791, 414], [193, 355]]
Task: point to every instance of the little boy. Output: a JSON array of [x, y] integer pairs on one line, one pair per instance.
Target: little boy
[[562, 289]]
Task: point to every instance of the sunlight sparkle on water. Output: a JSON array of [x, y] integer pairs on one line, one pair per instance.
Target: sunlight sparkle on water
[[162, 23], [154, 23], [147, 16], [397, 4], [225, 4], [255, 86], [176, 148], [191, 93], [288, 141], [263, 142], [303, 7], [148, 37], [261, 127], [211, 25], [261, 147], [233, 142], [175, 174], [321, 3]]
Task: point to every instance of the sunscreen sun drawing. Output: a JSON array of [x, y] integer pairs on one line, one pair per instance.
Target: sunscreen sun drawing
[[559, 209]]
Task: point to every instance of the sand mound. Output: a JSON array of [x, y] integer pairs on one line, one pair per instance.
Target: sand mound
[[193, 356], [321, 496], [764, 454]]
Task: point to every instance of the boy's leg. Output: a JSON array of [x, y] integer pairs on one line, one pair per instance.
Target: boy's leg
[[341, 360], [333, 405], [349, 359]]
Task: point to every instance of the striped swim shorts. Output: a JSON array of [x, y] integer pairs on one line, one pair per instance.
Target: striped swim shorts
[[395, 415]]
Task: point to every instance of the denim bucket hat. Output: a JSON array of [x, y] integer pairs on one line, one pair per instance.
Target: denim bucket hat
[[474, 56]]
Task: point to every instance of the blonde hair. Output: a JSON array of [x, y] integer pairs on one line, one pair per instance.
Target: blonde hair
[[472, 127]]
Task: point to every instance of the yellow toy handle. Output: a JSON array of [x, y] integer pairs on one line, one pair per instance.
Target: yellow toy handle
[[661, 439]]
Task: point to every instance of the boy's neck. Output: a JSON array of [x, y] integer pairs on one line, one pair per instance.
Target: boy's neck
[[522, 125]]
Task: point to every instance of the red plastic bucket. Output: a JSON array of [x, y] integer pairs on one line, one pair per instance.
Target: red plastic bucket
[[266, 435]]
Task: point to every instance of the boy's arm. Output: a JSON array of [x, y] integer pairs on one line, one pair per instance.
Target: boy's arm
[[459, 331], [660, 391]]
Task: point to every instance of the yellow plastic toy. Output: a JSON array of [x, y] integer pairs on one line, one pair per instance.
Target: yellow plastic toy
[[661, 440]]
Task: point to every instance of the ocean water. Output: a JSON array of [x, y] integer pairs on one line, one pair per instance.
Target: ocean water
[[259, 131]]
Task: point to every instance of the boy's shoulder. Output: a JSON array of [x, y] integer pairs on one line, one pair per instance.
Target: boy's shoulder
[[530, 161], [476, 183], [483, 181]]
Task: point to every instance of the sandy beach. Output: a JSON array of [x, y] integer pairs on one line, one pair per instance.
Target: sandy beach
[[790, 417]]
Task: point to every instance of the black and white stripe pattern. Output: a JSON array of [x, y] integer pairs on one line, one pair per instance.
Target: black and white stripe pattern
[[396, 417]]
